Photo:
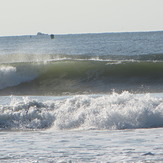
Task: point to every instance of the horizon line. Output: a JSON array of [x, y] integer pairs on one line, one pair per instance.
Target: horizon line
[[141, 31]]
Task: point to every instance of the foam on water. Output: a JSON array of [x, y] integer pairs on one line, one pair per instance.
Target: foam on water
[[115, 111]]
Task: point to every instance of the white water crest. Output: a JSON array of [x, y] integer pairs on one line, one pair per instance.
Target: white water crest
[[83, 112], [11, 76]]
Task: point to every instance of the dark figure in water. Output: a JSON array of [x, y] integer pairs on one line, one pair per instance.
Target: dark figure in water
[[51, 36]]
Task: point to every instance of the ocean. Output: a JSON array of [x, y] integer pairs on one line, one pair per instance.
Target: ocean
[[81, 98]]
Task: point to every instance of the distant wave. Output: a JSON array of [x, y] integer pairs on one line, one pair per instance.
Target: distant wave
[[114, 111], [79, 76], [17, 58]]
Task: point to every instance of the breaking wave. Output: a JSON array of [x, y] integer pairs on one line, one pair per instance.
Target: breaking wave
[[62, 77], [103, 112]]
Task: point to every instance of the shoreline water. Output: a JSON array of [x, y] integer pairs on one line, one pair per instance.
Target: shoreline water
[[84, 146]]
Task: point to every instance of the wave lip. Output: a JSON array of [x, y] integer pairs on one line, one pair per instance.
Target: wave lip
[[105, 112], [7, 73], [11, 75]]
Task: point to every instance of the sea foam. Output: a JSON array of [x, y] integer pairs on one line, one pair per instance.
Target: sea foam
[[83, 112]]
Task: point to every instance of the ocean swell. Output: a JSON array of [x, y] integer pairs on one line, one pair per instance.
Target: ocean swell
[[79, 76], [114, 111]]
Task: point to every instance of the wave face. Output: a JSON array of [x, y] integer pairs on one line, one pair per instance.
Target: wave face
[[114, 111], [76, 76]]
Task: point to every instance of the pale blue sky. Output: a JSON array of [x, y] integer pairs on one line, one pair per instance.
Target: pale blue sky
[[19, 17]]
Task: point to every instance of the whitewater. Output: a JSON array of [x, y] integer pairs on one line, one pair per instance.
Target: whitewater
[[82, 98]]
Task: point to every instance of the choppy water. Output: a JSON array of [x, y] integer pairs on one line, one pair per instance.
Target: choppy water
[[82, 98], [144, 145]]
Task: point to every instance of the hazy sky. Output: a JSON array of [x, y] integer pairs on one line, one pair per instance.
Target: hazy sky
[[19, 17]]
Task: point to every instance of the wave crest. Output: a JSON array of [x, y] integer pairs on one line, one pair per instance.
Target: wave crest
[[13, 75]]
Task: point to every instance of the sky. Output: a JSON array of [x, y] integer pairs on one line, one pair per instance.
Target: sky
[[27, 17]]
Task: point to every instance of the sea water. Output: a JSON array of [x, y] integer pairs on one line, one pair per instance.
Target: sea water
[[82, 98], [141, 145]]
